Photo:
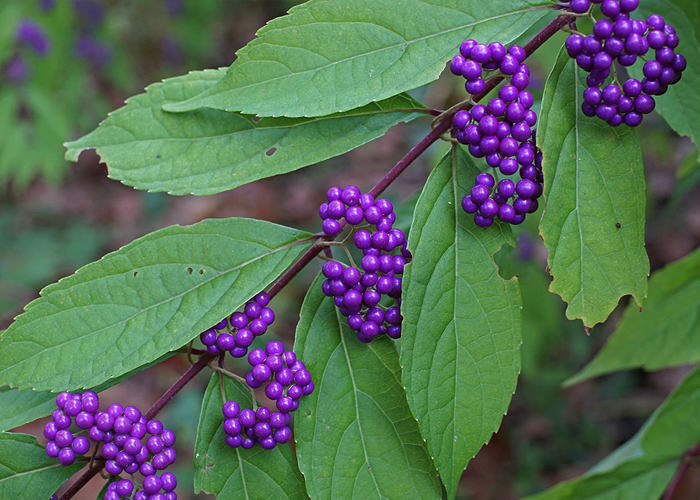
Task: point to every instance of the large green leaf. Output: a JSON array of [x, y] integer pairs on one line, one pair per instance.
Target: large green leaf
[[666, 332], [148, 298], [209, 151], [593, 223], [680, 106], [237, 473], [25, 470], [19, 407], [356, 436], [328, 56], [461, 339], [642, 467]]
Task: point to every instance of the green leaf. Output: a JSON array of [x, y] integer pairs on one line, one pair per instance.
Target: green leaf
[[593, 223], [234, 472], [642, 467], [26, 471], [666, 332], [210, 151], [355, 434], [19, 407], [147, 298], [637, 481], [461, 337], [331, 56], [680, 106]]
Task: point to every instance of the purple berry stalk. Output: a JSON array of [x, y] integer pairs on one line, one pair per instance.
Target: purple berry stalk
[[441, 128]]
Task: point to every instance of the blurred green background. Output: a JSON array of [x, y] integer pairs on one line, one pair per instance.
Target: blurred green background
[[65, 64]]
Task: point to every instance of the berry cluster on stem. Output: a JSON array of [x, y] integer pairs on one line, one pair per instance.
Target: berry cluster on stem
[[120, 433], [357, 290], [619, 39]]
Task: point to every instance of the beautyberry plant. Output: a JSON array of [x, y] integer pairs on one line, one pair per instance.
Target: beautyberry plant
[[407, 349]]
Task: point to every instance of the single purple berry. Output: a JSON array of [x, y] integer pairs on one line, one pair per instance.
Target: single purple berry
[[482, 221], [579, 6]]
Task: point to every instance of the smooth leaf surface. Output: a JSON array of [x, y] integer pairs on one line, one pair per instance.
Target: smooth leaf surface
[[642, 467], [142, 301], [680, 106], [209, 151], [632, 482], [236, 473], [461, 337], [19, 407], [25, 470], [666, 332], [330, 56], [593, 223], [355, 434]]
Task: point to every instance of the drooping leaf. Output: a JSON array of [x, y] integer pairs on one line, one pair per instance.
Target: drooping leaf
[[593, 223], [680, 106], [232, 473], [666, 332], [19, 407], [26, 471], [642, 467], [209, 151], [330, 56], [461, 337], [147, 298], [636, 481], [355, 434]]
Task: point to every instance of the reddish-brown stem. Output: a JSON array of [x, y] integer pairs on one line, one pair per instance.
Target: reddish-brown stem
[[84, 479], [686, 460], [442, 127], [184, 379]]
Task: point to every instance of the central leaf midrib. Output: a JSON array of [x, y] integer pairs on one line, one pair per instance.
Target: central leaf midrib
[[141, 311], [312, 120], [33, 471], [357, 408], [361, 55]]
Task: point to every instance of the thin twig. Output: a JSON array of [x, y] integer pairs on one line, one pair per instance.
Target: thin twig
[[687, 459]]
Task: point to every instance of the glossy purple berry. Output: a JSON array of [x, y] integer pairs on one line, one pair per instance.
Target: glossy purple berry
[[579, 6]]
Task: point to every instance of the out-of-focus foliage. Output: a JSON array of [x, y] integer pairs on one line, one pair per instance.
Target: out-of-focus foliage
[[64, 65]]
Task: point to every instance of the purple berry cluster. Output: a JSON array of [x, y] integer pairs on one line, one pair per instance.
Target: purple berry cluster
[[120, 431], [357, 208], [357, 292], [476, 60], [287, 381], [235, 334], [502, 132], [618, 38]]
